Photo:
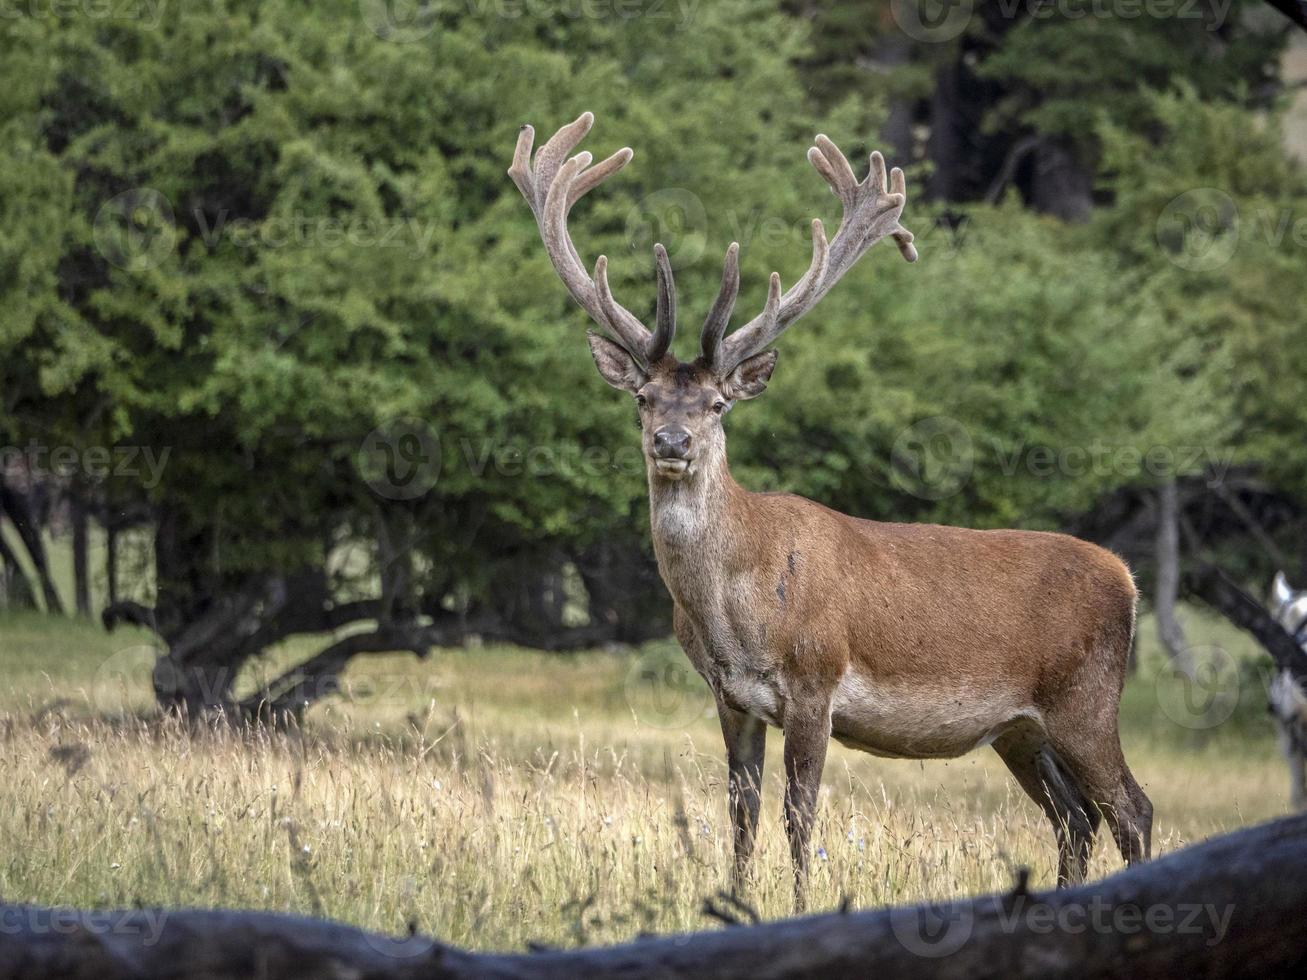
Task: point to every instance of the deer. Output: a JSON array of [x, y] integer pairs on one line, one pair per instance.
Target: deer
[[1286, 698], [911, 641]]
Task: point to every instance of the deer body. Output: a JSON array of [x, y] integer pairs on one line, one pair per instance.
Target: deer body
[[902, 640], [901, 627]]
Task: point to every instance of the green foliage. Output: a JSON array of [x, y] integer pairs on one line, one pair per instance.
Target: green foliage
[[252, 233], [1211, 224], [1065, 68]]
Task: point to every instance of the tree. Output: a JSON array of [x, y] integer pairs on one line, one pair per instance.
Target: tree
[[281, 252]]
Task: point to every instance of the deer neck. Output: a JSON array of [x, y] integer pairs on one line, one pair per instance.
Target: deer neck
[[693, 523]]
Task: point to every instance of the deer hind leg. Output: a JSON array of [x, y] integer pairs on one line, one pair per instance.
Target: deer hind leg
[[1039, 771], [807, 734], [1098, 767]]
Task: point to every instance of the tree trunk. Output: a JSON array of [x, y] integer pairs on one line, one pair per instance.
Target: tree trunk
[[1060, 183], [1230, 908], [15, 588], [527, 594], [81, 569], [1169, 631], [111, 560], [624, 590], [20, 513]]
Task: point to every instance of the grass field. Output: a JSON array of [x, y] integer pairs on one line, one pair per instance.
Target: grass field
[[496, 797]]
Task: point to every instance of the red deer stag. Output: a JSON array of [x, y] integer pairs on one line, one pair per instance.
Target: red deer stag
[[903, 640]]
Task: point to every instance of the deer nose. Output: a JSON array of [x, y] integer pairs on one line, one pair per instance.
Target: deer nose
[[671, 443]]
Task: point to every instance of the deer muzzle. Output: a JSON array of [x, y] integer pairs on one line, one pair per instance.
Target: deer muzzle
[[671, 451]]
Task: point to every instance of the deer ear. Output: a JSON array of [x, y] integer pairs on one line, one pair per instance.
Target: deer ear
[[615, 364], [749, 378]]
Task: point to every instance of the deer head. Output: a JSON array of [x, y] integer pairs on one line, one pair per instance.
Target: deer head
[[681, 404]]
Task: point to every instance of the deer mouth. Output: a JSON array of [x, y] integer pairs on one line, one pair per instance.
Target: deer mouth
[[672, 469]]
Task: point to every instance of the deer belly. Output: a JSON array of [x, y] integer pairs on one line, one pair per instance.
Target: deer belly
[[919, 722]]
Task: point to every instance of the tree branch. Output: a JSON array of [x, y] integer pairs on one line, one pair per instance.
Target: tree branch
[[1295, 10], [1219, 591]]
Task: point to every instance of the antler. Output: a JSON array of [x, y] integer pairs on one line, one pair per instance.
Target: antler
[[871, 212], [552, 186]]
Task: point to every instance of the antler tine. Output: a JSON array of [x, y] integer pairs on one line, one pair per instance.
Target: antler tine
[[629, 331], [762, 330], [871, 211], [534, 180], [719, 316], [665, 319], [552, 184]]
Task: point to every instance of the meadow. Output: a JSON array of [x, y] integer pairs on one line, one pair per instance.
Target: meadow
[[498, 798]]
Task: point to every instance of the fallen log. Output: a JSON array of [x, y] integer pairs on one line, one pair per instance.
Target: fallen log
[[1234, 906]]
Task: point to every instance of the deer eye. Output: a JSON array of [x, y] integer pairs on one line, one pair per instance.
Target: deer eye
[[641, 400], [719, 407]]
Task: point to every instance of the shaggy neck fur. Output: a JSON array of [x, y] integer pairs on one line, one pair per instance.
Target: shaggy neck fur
[[692, 522]]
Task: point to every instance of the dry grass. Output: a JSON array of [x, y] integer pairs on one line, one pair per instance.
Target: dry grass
[[497, 797]]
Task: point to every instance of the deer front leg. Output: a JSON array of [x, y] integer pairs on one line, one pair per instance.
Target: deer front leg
[[746, 743], [807, 732]]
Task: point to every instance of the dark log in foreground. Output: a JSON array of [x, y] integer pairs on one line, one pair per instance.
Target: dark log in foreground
[[1235, 906]]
